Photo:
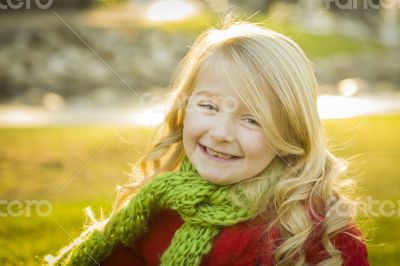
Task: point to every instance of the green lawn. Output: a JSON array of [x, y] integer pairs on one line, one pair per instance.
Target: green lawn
[[36, 163], [373, 145]]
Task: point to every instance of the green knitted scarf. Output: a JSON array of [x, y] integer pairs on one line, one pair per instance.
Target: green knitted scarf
[[204, 207]]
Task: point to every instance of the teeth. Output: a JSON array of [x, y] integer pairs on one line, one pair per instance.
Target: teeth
[[218, 154]]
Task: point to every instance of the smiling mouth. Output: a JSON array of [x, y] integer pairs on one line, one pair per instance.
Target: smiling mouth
[[217, 154]]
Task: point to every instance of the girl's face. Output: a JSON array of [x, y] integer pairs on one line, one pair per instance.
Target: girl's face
[[224, 142]]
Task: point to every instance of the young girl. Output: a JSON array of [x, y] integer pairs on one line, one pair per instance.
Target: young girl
[[239, 174]]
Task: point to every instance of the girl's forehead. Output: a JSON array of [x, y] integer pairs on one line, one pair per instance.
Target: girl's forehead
[[215, 83], [224, 81], [217, 78]]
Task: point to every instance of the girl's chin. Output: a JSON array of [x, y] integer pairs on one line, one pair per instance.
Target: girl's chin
[[216, 178], [216, 181]]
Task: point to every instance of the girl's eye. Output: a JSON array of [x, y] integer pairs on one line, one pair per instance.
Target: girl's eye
[[208, 106], [251, 121]]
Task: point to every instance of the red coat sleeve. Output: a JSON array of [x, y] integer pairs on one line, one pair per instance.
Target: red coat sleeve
[[349, 242], [353, 248]]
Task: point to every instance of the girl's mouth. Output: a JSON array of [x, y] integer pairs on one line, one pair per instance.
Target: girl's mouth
[[217, 155]]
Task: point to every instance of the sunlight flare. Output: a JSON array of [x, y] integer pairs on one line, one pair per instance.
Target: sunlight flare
[[170, 10]]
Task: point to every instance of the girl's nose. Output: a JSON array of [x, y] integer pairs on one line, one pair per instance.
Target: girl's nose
[[223, 129]]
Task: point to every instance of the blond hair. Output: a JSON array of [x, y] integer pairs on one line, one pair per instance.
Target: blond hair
[[275, 80]]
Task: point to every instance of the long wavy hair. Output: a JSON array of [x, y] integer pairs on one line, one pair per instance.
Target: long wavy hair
[[276, 81]]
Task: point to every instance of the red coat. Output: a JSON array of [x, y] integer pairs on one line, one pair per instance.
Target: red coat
[[237, 245]]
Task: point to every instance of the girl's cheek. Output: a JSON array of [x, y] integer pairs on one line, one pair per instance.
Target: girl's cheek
[[195, 122], [251, 141], [195, 115]]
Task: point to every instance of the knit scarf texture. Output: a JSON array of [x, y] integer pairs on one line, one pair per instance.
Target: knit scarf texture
[[204, 207]]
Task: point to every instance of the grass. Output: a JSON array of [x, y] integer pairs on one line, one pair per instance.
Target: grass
[[72, 168], [36, 163], [372, 145]]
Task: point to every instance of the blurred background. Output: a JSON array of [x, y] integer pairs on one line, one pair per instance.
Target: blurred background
[[83, 82]]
